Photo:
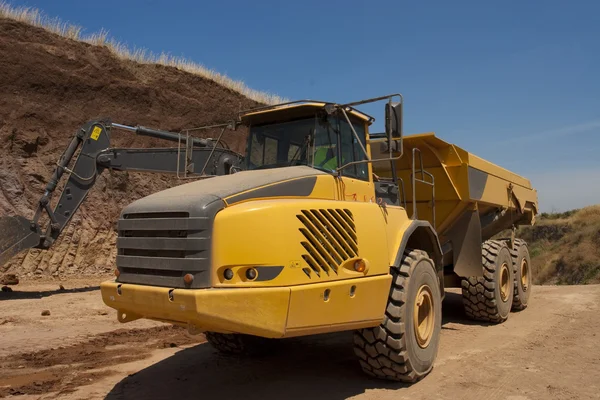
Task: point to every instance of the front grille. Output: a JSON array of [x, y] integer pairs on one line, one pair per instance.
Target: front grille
[[160, 248], [330, 239]]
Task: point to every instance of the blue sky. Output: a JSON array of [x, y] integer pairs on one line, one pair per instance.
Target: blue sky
[[514, 82]]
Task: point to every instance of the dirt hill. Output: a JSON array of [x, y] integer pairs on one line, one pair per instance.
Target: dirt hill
[[565, 247], [49, 87]]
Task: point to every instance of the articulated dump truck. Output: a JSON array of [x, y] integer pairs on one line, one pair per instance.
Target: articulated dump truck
[[319, 227]]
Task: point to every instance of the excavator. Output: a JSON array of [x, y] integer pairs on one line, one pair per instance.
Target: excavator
[[321, 226]]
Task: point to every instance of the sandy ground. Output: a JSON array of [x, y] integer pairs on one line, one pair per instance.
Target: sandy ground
[[549, 351]]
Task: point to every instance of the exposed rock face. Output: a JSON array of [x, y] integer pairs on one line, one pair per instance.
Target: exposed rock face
[[49, 87]]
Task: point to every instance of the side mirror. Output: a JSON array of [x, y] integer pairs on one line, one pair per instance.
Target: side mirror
[[393, 120]]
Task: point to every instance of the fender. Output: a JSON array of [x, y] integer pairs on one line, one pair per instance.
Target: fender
[[421, 235]]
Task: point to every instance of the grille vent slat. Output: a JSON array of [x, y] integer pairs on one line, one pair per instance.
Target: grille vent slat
[[333, 237], [344, 222], [345, 240], [317, 229], [310, 261], [315, 249], [159, 248], [330, 239]]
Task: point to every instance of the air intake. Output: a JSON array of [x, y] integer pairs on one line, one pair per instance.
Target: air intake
[[330, 239], [160, 248]]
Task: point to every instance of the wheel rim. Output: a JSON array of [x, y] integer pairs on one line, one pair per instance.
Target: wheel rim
[[504, 282], [424, 316], [524, 274]]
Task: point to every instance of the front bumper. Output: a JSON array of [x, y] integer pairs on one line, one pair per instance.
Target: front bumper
[[273, 312], [255, 311]]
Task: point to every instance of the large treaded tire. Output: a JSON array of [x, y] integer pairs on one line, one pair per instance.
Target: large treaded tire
[[390, 350], [237, 344], [482, 297], [520, 253]]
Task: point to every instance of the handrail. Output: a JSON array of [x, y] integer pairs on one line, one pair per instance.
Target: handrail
[[403, 192], [414, 181]]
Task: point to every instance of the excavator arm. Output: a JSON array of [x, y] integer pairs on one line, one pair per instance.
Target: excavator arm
[[193, 157]]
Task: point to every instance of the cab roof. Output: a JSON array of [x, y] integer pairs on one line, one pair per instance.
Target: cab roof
[[294, 109]]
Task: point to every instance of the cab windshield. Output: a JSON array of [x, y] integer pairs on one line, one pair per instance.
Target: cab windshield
[[323, 143]]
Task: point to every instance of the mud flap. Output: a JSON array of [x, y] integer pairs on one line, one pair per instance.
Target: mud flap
[[465, 237], [16, 234]]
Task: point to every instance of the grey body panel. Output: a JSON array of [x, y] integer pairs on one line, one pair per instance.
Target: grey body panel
[[192, 196], [295, 188], [159, 254], [387, 193], [465, 243], [268, 273], [168, 234], [477, 181]]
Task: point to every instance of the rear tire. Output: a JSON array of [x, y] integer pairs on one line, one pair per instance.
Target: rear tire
[[395, 350], [238, 344], [522, 273], [489, 297]]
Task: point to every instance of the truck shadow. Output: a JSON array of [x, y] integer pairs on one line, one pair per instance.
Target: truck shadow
[[316, 367]]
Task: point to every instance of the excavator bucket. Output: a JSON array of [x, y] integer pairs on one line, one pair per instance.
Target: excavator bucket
[[16, 235]]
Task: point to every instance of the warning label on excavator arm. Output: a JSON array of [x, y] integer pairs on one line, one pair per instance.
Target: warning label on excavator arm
[[96, 133]]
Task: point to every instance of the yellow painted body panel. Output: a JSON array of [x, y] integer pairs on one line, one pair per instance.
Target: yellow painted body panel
[[269, 312], [462, 181], [267, 233], [262, 312], [354, 190], [309, 309]]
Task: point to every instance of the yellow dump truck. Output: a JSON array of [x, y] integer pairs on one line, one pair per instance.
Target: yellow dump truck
[[320, 227]]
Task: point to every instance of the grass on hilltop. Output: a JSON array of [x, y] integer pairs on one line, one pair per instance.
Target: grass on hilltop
[[34, 17]]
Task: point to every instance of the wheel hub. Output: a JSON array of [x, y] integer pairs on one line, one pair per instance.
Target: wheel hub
[[504, 282], [424, 316], [524, 275]]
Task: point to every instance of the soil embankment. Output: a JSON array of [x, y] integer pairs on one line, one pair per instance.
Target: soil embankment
[[49, 87]]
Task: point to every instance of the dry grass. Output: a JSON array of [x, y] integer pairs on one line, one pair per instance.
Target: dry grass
[[565, 248], [34, 17]]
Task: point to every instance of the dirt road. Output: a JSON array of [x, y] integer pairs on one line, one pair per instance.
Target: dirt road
[[79, 351]]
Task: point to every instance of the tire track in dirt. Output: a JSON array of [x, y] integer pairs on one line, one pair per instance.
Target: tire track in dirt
[[64, 369]]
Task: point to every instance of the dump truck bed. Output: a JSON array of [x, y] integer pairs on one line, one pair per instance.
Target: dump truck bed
[[463, 183]]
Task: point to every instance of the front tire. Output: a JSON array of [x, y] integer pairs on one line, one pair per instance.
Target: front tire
[[405, 345]]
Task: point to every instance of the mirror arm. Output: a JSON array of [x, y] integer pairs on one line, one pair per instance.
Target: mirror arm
[[356, 135], [368, 161], [388, 135]]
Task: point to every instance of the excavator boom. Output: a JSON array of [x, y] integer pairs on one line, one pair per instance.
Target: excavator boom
[[192, 158]]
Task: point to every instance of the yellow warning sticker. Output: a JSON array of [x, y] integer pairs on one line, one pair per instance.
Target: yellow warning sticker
[[96, 133]]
